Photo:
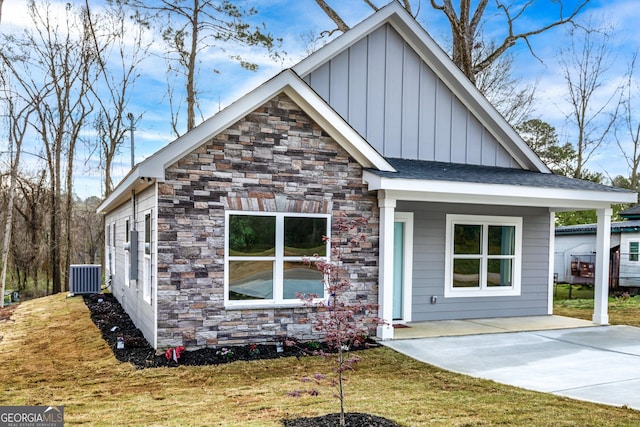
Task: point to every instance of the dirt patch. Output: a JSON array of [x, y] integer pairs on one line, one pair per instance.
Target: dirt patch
[[6, 312]]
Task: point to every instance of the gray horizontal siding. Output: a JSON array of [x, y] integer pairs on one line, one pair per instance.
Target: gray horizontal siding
[[429, 259], [131, 297], [393, 99]]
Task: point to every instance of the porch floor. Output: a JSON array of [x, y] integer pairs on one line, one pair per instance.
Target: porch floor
[[445, 328]]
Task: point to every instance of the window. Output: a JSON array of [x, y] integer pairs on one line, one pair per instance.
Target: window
[[147, 285], [108, 251], [127, 249], [634, 251], [265, 254], [483, 255]]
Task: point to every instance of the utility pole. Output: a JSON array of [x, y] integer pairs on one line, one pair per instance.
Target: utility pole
[[130, 117]]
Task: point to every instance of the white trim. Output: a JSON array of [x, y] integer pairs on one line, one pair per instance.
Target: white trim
[[385, 274], [552, 250], [147, 263], [154, 267], [496, 194], [407, 274], [153, 168], [278, 301], [601, 280], [636, 253], [483, 291], [126, 246]]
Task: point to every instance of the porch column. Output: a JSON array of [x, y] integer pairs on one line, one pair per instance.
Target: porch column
[[552, 260], [385, 262], [601, 283]]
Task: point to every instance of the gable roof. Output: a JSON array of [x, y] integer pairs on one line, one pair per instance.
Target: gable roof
[[288, 82], [439, 62]]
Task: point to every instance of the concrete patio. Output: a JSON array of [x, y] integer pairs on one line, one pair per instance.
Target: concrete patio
[[446, 328], [594, 363]]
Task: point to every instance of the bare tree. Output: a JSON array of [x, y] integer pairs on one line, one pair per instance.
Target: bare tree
[[585, 64], [119, 49], [466, 23], [630, 124], [18, 113], [51, 65], [506, 93], [30, 247], [190, 28]]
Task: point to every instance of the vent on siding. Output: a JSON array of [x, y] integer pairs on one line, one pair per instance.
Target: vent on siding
[[84, 278]]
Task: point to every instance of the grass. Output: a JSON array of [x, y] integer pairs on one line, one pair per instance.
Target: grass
[[52, 354], [622, 310]]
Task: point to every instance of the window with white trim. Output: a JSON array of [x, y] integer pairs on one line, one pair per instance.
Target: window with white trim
[[127, 249], [146, 287], [110, 249], [265, 255], [483, 256]]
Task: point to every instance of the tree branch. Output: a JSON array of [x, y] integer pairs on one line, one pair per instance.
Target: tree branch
[[333, 15], [512, 38]]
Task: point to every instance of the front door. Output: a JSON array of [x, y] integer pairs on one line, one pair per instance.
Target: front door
[[398, 269], [402, 266]]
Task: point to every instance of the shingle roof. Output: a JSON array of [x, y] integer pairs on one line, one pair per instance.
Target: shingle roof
[[631, 213], [439, 171], [616, 227]]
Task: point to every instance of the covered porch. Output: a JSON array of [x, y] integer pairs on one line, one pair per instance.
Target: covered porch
[[506, 190]]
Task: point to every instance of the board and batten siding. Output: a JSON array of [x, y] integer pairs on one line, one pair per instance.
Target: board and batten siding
[[382, 88], [131, 296], [429, 260]]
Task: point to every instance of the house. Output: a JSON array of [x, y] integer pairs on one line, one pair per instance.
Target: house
[[205, 238], [575, 250]]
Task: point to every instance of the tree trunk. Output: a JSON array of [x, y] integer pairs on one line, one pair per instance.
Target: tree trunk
[[6, 247], [191, 68]]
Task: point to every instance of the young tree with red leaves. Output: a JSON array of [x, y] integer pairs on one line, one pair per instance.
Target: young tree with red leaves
[[344, 323]]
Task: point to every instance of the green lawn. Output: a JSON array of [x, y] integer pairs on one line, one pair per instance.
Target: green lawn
[[622, 310], [52, 354]]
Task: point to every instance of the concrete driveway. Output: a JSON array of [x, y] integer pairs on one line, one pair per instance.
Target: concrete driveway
[[598, 364]]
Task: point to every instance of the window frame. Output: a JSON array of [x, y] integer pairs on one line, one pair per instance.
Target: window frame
[[634, 256], [278, 259], [483, 290], [127, 252], [147, 271]]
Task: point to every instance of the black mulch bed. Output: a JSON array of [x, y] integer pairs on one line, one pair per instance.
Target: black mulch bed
[[114, 323], [351, 419]]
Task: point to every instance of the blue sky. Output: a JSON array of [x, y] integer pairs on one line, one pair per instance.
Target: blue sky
[[290, 19]]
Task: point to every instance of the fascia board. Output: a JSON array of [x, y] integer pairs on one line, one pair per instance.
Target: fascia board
[[478, 193], [347, 39], [122, 193], [288, 82]]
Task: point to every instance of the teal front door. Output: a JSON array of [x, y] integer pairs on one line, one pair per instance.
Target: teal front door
[[398, 270]]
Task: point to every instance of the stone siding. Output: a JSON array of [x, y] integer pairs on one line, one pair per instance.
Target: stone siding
[[274, 159]]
